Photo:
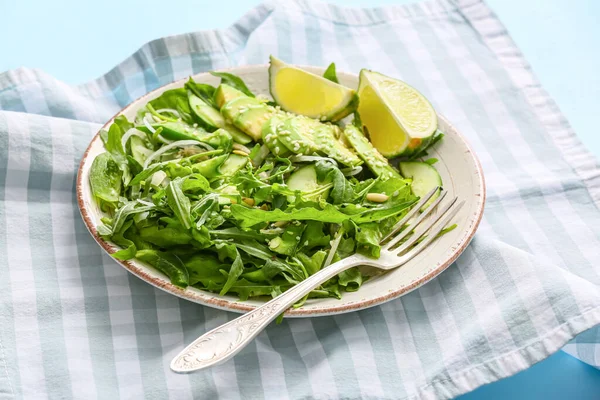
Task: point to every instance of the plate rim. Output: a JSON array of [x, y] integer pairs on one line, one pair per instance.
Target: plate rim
[[237, 305]]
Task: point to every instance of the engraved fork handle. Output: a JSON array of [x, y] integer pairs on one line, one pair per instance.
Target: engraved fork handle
[[225, 341]]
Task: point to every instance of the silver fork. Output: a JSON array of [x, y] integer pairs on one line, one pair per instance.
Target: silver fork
[[225, 341]]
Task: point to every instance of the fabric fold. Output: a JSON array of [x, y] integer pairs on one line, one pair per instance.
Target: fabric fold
[[74, 324]]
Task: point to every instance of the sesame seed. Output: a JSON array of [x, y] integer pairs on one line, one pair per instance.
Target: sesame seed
[[297, 237]]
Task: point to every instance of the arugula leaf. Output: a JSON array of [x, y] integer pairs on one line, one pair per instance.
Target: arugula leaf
[[351, 279], [115, 148], [274, 267], [378, 214], [194, 182], [178, 202], [312, 264], [248, 217], [205, 91], [168, 264], [226, 250], [346, 247], [206, 269], [342, 191], [393, 187], [367, 238], [246, 289], [105, 180], [176, 99], [165, 237], [202, 237], [129, 208], [129, 249], [288, 241], [313, 235], [233, 81], [330, 73], [113, 143], [237, 268], [255, 249], [123, 123], [236, 233], [330, 290]]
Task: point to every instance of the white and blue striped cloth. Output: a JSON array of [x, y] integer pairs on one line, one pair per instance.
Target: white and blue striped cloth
[[74, 324]]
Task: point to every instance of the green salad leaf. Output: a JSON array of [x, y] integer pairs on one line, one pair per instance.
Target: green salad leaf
[[233, 81], [330, 73]]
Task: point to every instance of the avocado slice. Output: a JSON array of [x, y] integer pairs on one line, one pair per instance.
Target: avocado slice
[[233, 164], [376, 162], [296, 133], [327, 143], [253, 119], [248, 114], [306, 135], [209, 168], [225, 94], [234, 108], [269, 136]]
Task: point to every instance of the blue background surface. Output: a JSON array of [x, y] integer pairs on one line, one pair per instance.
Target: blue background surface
[[79, 40]]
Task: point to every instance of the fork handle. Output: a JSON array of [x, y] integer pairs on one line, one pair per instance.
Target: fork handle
[[225, 341]]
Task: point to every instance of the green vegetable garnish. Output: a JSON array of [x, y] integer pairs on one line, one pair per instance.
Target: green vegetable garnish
[[220, 190]]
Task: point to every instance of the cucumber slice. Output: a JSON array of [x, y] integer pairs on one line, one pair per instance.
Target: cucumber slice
[[305, 180], [424, 179], [233, 164], [210, 117], [225, 93], [139, 151], [209, 168]]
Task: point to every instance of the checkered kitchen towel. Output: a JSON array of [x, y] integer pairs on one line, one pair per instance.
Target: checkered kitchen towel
[[74, 324]]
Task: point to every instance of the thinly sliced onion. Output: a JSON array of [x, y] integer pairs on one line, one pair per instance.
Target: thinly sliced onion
[[147, 124], [132, 132], [179, 143], [272, 231], [352, 171], [311, 159], [169, 110], [334, 245], [163, 140], [146, 203], [158, 177]]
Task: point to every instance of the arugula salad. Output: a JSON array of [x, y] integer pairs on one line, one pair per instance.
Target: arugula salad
[[233, 193]]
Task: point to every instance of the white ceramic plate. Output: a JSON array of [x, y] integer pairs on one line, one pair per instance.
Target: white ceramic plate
[[458, 166]]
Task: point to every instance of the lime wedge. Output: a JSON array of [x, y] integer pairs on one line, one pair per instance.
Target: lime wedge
[[398, 118], [304, 93]]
